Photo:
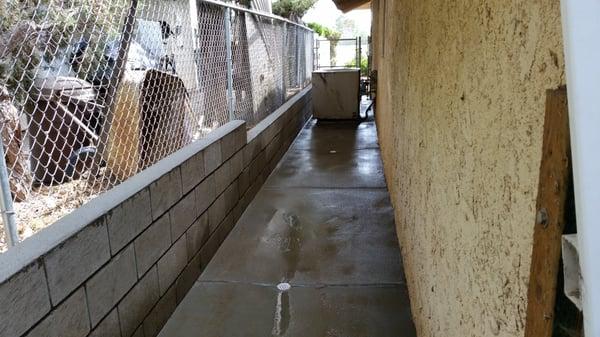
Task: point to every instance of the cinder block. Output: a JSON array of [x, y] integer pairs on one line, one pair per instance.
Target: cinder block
[[223, 177], [152, 243], [231, 196], [24, 300], [212, 157], [165, 192], [232, 142], [241, 136], [237, 164], [225, 227], [172, 264], [251, 150], [192, 172], [217, 212], [205, 194], [111, 283], [209, 249], [270, 133], [160, 313], [183, 215], [129, 219], [257, 165], [109, 327], [244, 180], [216, 239], [186, 280], [197, 235], [138, 303], [71, 263], [69, 319], [139, 332], [273, 147]]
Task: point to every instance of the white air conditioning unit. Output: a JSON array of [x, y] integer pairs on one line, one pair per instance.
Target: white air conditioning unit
[[336, 93]]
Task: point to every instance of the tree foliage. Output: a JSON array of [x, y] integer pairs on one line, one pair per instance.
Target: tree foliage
[[330, 34], [292, 9], [326, 32], [364, 65]]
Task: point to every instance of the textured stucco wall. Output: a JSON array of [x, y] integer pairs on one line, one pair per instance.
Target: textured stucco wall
[[460, 108]]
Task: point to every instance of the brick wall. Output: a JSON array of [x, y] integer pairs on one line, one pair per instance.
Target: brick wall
[[119, 265]]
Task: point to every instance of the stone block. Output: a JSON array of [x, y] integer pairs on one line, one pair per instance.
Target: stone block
[[257, 165], [251, 150], [232, 142], [129, 219], [108, 327], [197, 235], [212, 157], [244, 180], [223, 177], [237, 164], [172, 264], [111, 283], [165, 192], [186, 279], [231, 196], [192, 172], [139, 332], [24, 300], [71, 263], [209, 249], [160, 313], [205, 194], [217, 212], [183, 215], [152, 243], [69, 319], [138, 303], [273, 147]]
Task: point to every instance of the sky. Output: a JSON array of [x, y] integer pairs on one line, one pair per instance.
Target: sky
[[325, 13]]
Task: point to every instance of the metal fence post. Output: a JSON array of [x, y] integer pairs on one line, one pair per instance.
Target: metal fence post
[[297, 57], [284, 62], [116, 75], [359, 55], [230, 103], [6, 202]]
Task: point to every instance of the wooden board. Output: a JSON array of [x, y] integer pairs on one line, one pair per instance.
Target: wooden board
[[554, 181]]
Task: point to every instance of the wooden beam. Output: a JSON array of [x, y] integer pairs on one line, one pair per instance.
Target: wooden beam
[[554, 182], [348, 5]]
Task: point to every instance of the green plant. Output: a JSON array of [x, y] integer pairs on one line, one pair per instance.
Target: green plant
[[330, 34], [292, 9], [364, 65]]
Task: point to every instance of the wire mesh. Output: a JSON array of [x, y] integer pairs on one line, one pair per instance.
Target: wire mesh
[[92, 92], [340, 53]]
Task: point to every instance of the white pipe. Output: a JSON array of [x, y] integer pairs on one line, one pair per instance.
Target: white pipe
[[581, 34]]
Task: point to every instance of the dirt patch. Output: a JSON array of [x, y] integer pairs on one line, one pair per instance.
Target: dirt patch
[[46, 204]]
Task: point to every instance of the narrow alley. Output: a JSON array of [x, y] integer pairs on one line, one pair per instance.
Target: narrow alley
[[315, 253]]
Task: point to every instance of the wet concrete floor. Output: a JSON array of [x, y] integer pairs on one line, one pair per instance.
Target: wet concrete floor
[[323, 224]]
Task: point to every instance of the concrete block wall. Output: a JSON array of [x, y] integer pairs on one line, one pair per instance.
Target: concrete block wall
[[119, 265]]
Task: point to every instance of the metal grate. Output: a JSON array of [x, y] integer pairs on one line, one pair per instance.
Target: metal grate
[[92, 92]]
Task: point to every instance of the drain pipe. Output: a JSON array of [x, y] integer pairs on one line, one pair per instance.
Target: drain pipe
[[581, 34]]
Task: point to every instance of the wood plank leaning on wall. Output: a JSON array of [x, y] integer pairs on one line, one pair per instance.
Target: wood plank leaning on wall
[[554, 182]]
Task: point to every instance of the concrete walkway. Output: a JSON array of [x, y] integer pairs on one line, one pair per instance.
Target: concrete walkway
[[322, 223]]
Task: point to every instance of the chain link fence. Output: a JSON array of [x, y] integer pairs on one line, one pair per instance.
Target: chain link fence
[[342, 53], [94, 91]]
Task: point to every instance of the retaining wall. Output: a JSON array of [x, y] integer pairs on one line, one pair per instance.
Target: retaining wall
[[119, 265]]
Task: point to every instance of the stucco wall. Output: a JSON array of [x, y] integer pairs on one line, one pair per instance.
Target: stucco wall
[[460, 106]]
